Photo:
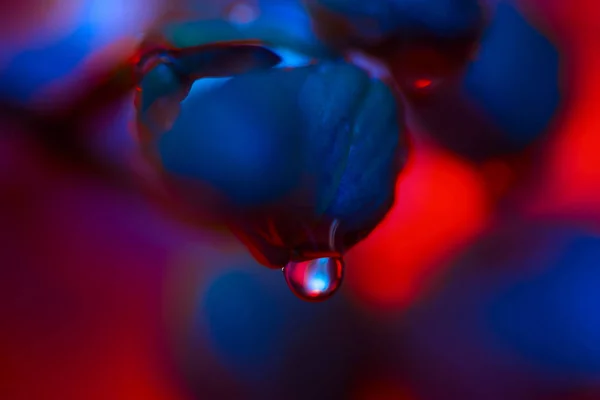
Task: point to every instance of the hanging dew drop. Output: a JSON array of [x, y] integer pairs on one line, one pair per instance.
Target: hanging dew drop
[[315, 280]]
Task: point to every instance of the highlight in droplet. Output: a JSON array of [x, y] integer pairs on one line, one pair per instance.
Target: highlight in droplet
[[314, 280]]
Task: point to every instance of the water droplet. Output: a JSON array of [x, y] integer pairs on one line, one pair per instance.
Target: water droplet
[[314, 280]]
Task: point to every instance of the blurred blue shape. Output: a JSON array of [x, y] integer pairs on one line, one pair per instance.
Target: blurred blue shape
[[33, 69], [245, 321], [515, 77], [291, 19], [491, 103], [552, 318], [373, 19], [514, 318], [97, 24], [280, 24], [287, 25], [277, 345]]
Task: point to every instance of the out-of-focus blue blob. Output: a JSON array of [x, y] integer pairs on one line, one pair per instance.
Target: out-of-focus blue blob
[[276, 345], [245, 138], [514, 318], [497, 102], [551, 318], [288, 20], [196, 33], [376, 19], [245, 322], [30, 70], [96, 24], [282, 24], [479, 105], [515, 77]]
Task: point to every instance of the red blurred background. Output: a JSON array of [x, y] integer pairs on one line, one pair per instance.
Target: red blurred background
[[101, 293]]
